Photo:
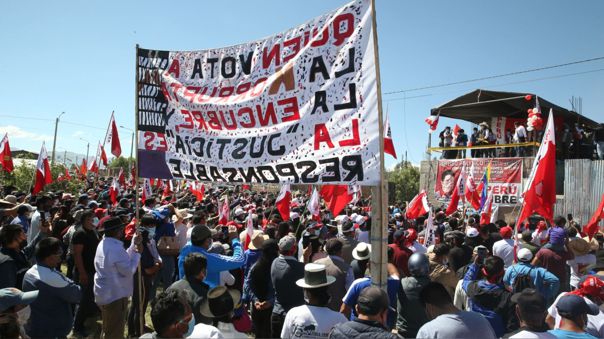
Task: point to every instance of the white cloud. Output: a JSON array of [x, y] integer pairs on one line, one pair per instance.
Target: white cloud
[[18, 133], [78, 134]]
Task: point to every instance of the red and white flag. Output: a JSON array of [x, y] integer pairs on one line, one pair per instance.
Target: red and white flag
[[388, 144], [224, 212], [592, 226], [121, 178], [540, 193], [336, 197], [84, 168], [6, 159], [249, 230], [355, 191], [168, 189], [147, 190], [93, 167], [67, 176], [198, 190], [487, 209], [43, 175], [418, 206], [283, 201], [472, 191], [114, 191], [103, 156], [458, 192], [113, 137], [455, 132], [433, 122], [313, 206]]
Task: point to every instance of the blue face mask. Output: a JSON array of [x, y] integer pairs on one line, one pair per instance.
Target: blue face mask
[[191, 327]]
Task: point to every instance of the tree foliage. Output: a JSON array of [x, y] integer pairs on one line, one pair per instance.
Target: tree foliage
[[121, 162], [405, 179], [23, 179]]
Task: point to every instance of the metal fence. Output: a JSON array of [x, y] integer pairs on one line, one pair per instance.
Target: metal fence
[[583, 189]]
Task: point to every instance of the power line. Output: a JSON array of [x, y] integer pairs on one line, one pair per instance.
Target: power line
[[496, 76]]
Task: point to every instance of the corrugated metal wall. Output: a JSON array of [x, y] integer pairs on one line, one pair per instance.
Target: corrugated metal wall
[[583, 188]]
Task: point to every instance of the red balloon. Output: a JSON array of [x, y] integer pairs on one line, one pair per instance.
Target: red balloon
[[528, 97], [529, 111]]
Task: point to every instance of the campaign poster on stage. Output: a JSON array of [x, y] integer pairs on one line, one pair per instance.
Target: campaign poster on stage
[[505, 180], [297, 107]]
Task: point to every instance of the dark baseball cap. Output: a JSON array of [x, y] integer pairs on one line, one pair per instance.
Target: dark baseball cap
[[372, 300], [570, 306], [530, 301]]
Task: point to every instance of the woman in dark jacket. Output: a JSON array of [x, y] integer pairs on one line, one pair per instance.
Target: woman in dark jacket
[[258, 289]]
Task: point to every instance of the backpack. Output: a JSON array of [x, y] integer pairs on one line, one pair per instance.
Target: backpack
[[523, 281]]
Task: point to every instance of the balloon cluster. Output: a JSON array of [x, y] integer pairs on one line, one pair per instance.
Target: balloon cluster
[[534, 121]]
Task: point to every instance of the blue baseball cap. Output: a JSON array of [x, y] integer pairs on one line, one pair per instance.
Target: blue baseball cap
[[10, 297], [570, 306]]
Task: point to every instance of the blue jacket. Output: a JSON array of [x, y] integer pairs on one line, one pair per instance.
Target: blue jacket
[[545, 281], [52, 312], [216, 262]]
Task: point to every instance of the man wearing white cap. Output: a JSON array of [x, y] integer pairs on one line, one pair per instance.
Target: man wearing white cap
[[315, 319], [542, 280]]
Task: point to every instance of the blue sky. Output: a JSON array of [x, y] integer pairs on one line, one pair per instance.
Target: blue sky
[[78, 56]]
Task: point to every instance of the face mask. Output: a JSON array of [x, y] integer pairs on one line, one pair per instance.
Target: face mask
[[23, 315], [191, 327], [95, 221]]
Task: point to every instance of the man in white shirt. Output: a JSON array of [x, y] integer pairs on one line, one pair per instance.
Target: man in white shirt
[[43, 205], [504, 248], [519, 137], [313, 320]]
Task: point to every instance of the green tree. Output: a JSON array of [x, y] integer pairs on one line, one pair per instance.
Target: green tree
[[121, 162], [23, 179], [405, 180]]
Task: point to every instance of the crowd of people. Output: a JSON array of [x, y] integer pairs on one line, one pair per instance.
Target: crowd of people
[[573, 142], [70, 260]]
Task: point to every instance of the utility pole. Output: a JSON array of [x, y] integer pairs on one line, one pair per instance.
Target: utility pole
[[131, 144], [87, 148], [65, 158], [54, 142]]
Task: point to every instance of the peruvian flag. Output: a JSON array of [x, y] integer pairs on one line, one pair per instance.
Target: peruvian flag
[[101, 151], [114, 191], [43, 175], [433, 122], [540, 194], [336, 197], [67, 176], [84, 168], [168, 189], [93, 167], [249, 230], [223, 213], [592, 226], [458, 192], [472, 195], [456, 130], [283, 200], [198, 190], [147, 190], [418, 206], [121, 178], [487, 209], [388, 144], [314, 206], [113, 137], [6, 159]]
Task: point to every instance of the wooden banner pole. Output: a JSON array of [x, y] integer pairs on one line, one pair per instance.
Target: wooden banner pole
[[379, 223]]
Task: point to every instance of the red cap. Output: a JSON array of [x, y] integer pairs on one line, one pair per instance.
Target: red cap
[[506, 232], [593, 286]]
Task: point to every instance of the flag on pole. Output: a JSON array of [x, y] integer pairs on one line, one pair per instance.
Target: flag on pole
[[114, 191], [249, 230], [540, 193], [168, 189], [432, 121], [198, 190], [458, 192], [456, 130], [147, 190], [6, 159], [355, 191], [121, 178], [592, 226], [67, 176], [418, 206], [336, 197], [113, 137], [430, 233], [43, 175], [484, 185], [84, 168], [283, 201], [313, 205], [472, 195], [485, 213], [93, 167], [224, 212], [103, 155], [388, 144]]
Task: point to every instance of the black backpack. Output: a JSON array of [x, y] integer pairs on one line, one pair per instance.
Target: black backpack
[[522, 282]]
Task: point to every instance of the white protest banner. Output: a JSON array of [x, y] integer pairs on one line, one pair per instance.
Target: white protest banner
[[297, 107]]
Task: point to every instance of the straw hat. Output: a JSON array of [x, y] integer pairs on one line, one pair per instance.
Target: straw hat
[[362, 251], [579, 247], [220, 302], [315, 276]]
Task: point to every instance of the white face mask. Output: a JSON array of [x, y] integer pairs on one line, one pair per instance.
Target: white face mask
[[23, 315]]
